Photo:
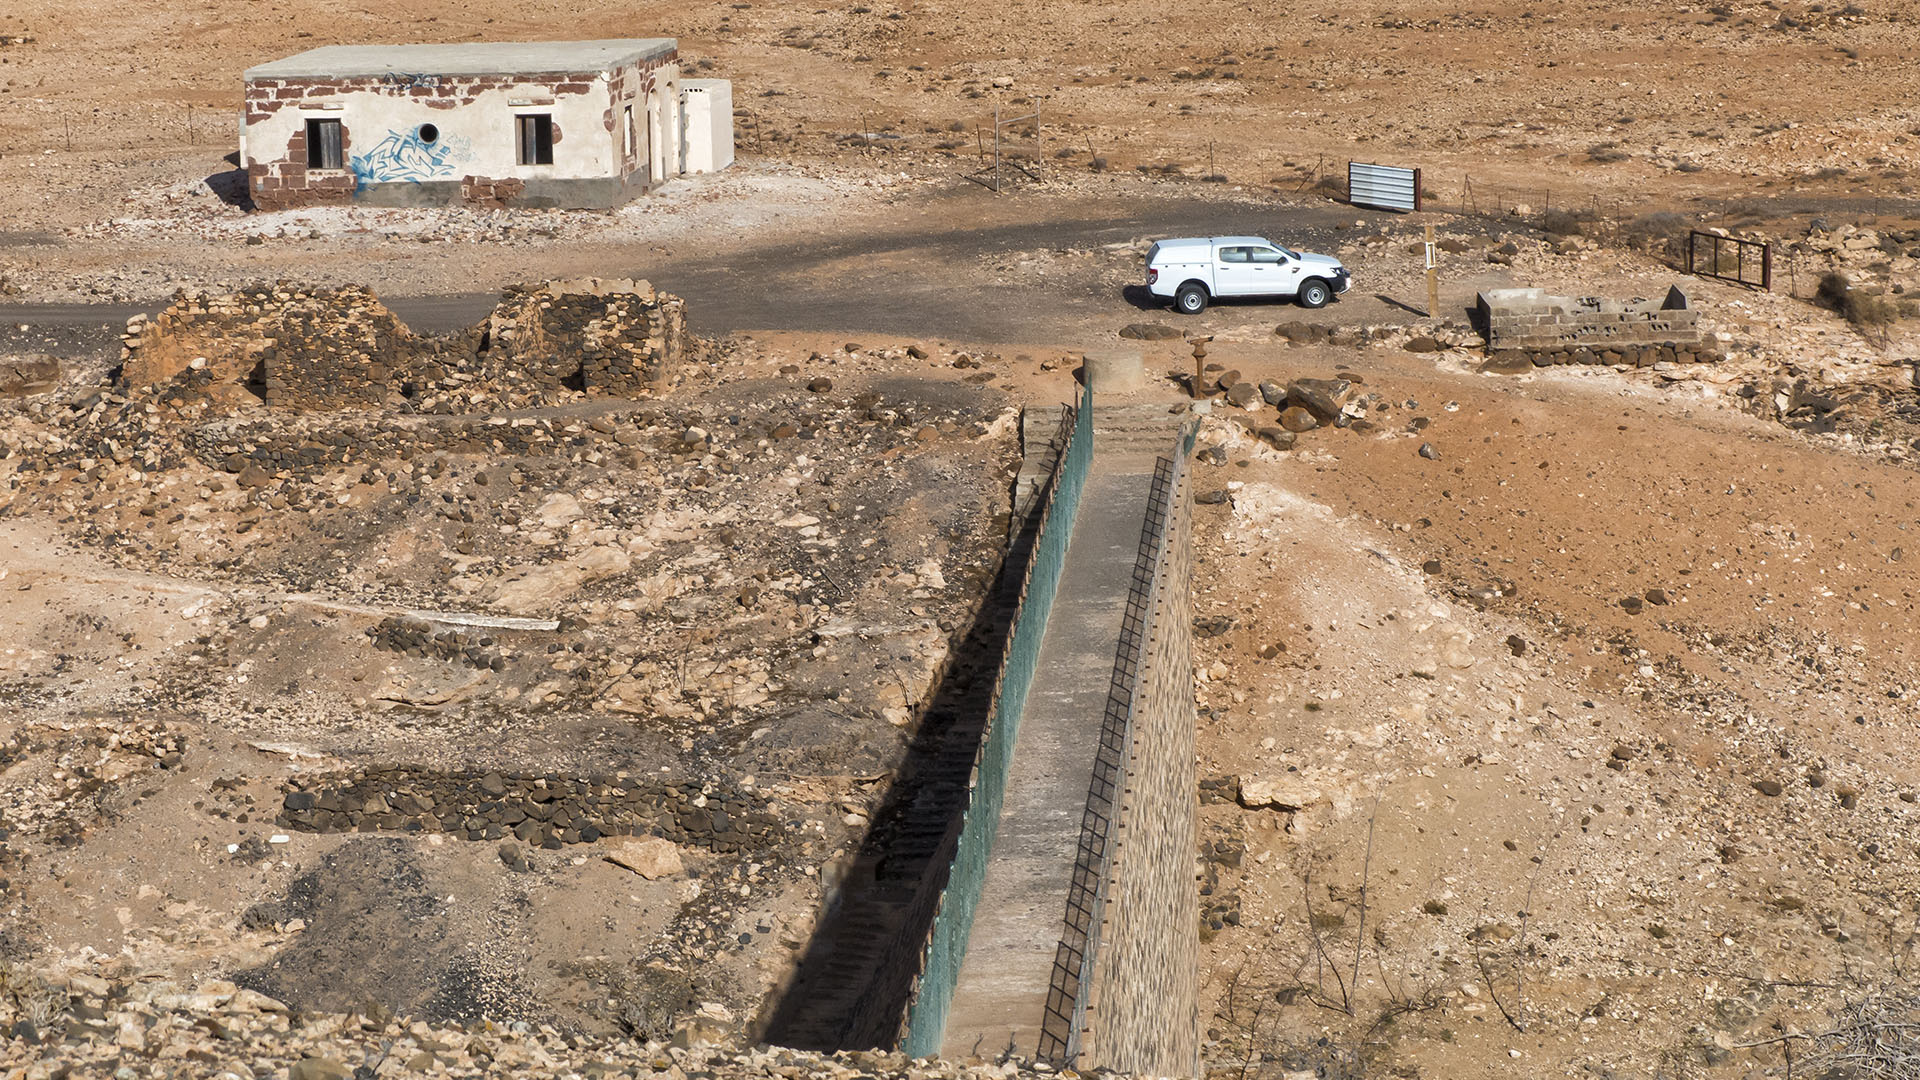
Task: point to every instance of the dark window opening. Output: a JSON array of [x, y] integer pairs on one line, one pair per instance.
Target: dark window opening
[[536, 139], [429, 133], [323, 145]]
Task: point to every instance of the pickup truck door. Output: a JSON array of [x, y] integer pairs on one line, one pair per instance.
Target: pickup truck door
[[1274, 273], [1235, 273]]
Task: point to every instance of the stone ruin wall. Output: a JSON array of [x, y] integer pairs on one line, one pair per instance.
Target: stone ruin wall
[[319, 349], [615, 336]]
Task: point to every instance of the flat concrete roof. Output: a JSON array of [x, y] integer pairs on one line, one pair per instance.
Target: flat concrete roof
[[469, 58]]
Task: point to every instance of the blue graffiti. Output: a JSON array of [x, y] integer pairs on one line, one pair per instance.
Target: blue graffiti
[[408, 79], [405, 157]]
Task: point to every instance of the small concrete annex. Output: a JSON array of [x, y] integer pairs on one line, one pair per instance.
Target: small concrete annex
[[572, 124]]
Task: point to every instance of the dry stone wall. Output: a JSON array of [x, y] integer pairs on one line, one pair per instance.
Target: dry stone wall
[[1143, 1015], [317, 349], [615, 336], [544, 811]]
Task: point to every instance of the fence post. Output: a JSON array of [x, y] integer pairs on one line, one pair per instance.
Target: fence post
[[1766, 268]]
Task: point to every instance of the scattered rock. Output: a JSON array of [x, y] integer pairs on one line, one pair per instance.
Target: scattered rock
[[1427, 451], [1422, 343], [1770, 788], [1149, 332]]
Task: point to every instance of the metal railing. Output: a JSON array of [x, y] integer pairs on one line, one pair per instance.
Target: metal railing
[[925, 1023], [1066, 1009]]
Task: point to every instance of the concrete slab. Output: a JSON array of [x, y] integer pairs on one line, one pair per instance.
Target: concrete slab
[[1002, 991], [465, 58]]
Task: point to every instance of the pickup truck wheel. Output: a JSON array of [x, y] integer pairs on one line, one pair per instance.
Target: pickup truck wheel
[[1190, 300], [1315, 293]]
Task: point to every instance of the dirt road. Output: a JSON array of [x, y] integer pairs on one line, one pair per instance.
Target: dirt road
[[898, 273]]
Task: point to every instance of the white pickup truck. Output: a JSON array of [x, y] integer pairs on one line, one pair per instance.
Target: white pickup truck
[[1194, 271]]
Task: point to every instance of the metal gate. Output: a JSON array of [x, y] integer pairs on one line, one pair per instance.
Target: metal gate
[[1730, 258]]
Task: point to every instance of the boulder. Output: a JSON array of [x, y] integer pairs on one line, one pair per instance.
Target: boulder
[[1324, 398], [23, 375], [652, 858], [1278, 438], [1296, 419], [1284, 792]]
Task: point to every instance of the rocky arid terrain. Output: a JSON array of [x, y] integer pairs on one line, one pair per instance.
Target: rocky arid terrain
[[484, 697], [565, 709]]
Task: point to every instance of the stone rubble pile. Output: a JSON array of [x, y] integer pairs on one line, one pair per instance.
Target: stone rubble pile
[[101, 1020], [546, 811], [1301, 405], [413, 636]]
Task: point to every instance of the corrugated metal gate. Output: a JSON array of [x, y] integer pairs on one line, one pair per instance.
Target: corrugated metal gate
[[1383, 187]]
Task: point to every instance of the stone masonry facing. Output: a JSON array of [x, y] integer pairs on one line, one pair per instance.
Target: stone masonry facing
[[321, 349]]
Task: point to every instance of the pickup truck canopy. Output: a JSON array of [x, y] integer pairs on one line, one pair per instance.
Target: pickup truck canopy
[[1203, 246]]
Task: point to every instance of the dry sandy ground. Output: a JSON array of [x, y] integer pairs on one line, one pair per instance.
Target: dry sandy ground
[[1513, 92], [110, 131], [1554, 806]]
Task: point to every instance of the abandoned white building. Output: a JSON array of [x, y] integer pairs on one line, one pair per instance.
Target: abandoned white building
[[573, 124]]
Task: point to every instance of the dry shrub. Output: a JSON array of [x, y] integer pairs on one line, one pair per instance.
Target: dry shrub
[[1654, 232], [1866, 312], [1565, 222]]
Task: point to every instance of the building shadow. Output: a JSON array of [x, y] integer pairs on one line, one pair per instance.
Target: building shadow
[[230, 185], [851, 986]]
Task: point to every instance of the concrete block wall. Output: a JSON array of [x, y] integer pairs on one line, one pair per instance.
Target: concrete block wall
[[1143, 1008], [1531, 319]]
